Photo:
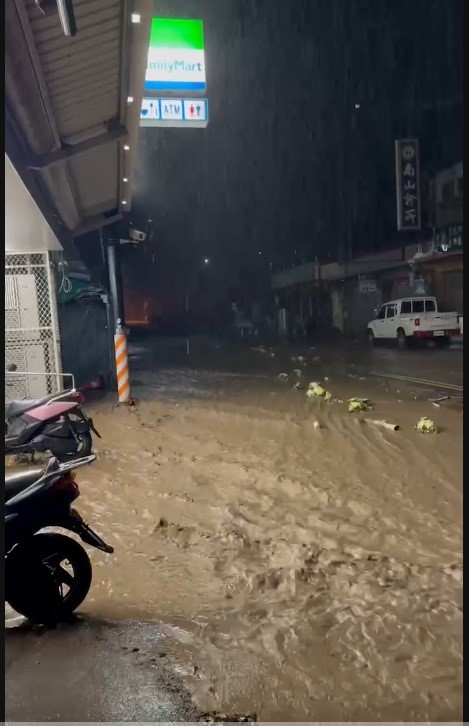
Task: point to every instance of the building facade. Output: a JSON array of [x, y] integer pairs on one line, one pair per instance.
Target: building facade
[[32, 338]]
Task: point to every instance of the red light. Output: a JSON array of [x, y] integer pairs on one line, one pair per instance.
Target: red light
[[417, 322], [66, 485]]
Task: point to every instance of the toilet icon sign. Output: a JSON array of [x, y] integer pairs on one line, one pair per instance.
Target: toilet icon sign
[[195, 109]]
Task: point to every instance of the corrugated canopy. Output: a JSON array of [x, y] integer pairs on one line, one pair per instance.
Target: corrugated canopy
[[72, 106]]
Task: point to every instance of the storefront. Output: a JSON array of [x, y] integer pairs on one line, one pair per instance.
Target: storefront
[[443, 274]]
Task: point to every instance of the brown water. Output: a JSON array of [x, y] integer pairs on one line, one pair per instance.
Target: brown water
[[302, 573]]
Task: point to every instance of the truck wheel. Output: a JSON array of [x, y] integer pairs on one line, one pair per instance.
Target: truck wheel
[[371, 337], [401, 339], [442, 342]]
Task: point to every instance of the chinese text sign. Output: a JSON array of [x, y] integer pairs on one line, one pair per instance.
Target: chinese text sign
[[407, 184]]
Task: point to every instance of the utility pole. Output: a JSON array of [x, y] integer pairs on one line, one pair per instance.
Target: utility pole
[[115, 280], [115, 306]]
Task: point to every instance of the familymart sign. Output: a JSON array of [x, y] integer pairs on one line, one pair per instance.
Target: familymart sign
[[176, 59]]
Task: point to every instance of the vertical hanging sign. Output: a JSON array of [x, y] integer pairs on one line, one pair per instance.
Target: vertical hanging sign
[[408, 184]]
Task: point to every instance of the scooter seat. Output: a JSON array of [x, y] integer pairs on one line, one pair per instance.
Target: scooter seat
[[20, 480], [15, 408]]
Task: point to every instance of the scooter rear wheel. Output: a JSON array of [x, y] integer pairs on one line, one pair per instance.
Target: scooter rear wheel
[[48, 578], [83, 448]]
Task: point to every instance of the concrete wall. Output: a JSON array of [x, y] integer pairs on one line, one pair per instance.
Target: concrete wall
[[85, 342], [26, 230]]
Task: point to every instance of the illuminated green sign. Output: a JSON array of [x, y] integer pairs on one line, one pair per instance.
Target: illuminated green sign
[[176, 58]]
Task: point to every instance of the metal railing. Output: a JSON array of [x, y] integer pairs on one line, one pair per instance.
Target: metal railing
[[11, 377]]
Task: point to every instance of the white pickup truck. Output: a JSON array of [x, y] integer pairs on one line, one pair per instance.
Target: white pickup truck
[[412, 318]]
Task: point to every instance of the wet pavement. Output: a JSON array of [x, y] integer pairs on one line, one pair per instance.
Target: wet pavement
[[91, 671], [439, 368], [434, 365], [296, 561]]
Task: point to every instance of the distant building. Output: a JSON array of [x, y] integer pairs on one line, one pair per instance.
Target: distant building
[[446, 198], [442, 266], [345, 296]]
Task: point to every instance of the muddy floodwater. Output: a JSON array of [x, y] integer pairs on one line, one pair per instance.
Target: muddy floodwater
[[301, 570]]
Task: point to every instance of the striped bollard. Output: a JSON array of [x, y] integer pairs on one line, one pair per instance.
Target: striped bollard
[[122, 365]]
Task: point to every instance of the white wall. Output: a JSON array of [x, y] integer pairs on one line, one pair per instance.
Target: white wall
[[26, 230]]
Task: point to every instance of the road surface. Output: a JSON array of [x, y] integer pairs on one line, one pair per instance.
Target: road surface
[[92, 671], [288, 559]]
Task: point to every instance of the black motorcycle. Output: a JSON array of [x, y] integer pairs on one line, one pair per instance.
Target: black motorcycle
[[47, 574]]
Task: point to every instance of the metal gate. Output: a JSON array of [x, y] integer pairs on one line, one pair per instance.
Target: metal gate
[[32, 340]]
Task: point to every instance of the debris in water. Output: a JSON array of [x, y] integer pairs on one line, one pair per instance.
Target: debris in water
[[283, 376], [426, 426], [315, 390], [300, 359], [359, 404], [316, 425], [216, 717], [436, 401], [297, 386], [383, 424], [297, 372], [317, 358]]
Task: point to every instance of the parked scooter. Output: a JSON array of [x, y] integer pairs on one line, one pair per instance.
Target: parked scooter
[[47, 575], [55, 423]]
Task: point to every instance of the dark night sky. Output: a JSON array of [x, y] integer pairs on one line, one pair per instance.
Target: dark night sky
[[286, 154]]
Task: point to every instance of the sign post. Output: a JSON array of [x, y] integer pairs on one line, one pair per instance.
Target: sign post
[[408, 184]]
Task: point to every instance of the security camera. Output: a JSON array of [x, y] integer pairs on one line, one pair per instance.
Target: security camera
[[137, 236]]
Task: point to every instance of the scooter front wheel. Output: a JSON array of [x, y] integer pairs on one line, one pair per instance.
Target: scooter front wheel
[[47, 578]]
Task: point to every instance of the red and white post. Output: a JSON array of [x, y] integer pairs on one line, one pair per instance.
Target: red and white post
[[122, 364]]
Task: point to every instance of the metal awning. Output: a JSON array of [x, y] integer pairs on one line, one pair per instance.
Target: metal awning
[[72, 107]]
